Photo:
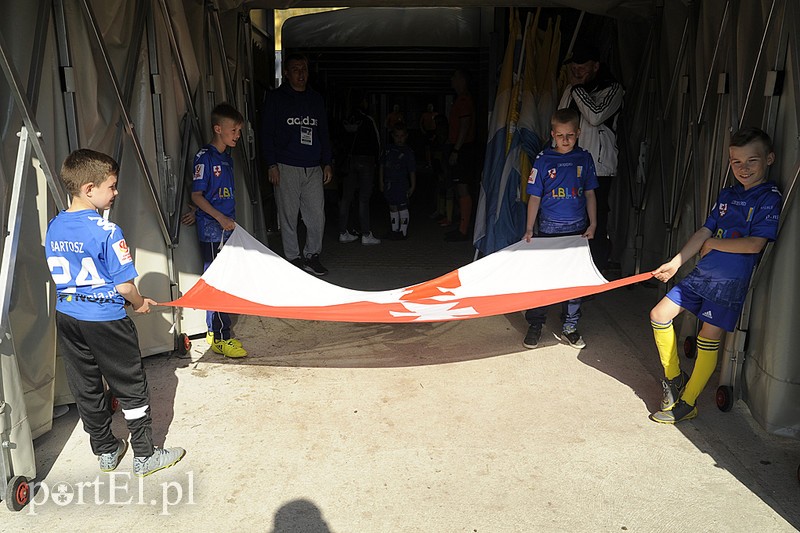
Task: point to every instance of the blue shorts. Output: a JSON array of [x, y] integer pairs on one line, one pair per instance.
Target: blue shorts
[[707, 311]]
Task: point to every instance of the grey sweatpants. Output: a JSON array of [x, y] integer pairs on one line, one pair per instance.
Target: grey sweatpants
[[300, 190]]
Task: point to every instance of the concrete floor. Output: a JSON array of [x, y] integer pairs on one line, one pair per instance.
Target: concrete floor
[[443, 427]]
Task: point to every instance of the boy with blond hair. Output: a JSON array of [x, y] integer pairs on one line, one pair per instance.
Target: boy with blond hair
[[561, 188]]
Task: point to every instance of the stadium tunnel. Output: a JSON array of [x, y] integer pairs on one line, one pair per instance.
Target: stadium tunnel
[[137, 79]]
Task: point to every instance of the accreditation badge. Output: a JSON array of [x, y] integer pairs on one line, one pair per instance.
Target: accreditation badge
[[306, 135]]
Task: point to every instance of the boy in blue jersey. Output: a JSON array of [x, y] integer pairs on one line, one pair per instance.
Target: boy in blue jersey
[[397, 180], [561, 188], [742, 221], [93, 272], [213, 194]]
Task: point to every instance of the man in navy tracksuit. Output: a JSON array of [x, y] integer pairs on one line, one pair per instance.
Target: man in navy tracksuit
[[297, 151]]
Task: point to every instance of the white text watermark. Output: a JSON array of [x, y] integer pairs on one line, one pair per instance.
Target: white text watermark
[[116, 488]]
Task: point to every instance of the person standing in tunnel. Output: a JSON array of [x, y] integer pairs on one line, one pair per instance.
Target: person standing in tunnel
[[460, 152], [365, 148], [214, 195], [296, 148], [597, 96], [393, 118]]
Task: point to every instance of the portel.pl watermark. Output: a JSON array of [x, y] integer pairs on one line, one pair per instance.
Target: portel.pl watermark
[[114, 488]]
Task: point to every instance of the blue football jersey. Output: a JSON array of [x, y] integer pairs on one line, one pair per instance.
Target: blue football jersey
[[561, 180], [88, 256], [723, 277], [398, 162], [213, 176]]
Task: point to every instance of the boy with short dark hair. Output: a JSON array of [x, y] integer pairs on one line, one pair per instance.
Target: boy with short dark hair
[[561, 188], [93, 271], [742, 221], [213, 194], [398, 179]]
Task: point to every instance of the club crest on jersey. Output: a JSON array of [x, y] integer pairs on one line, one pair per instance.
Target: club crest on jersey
[[579, 170], [723, 208], [532, 176], [551, 173], [198, 171], [217, 170]]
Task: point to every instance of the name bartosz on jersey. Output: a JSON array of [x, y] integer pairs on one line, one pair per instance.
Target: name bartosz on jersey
[[67, 246]]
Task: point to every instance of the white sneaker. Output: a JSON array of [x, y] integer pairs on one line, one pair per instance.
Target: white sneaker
[[368, 239], [347, 237], [161, 458]]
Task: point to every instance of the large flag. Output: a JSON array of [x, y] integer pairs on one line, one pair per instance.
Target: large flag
[[528, 142], [501, 213], [248, 278], [491, 213]]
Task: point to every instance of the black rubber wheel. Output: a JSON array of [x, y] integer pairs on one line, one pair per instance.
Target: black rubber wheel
[[18, 493], [184, 344], [725, 398], [690, 347]]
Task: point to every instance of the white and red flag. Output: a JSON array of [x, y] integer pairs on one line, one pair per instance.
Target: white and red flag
[[248, 278]]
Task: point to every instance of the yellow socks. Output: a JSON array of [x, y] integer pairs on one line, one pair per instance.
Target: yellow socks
[[667, 345], [707, 350]]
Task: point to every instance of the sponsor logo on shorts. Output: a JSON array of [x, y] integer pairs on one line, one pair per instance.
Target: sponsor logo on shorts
[[707, 314]]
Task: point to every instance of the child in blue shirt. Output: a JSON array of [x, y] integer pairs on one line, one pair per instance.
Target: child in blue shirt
[[213, 194], [397, 180], [93, 272], [561, 188], [742, 221]]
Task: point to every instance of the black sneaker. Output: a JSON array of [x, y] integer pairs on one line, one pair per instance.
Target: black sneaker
[[313, 266], [531, 339], [673, 388], [299, 263], [680, 411], [573, 338]]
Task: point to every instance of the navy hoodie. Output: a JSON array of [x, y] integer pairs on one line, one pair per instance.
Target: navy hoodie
[[295, 128]]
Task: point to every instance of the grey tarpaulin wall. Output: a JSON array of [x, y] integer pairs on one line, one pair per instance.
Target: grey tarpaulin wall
[[694, 71], [134, 79]]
